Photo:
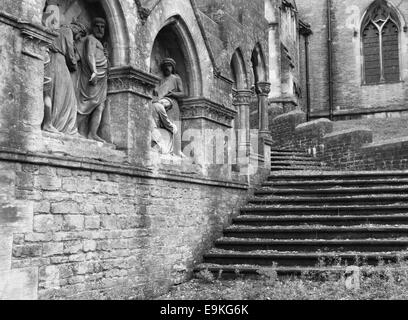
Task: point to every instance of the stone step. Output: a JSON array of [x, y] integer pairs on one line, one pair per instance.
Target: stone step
[[305, 213], [297, 163], [269, 191], [299, 259], [294, 158], [338, 175], [361, 245], [317, 232], [335, 183], [227, 271], [310, 200], [288, 151], [298, 168], [265, 221], [332, 210]]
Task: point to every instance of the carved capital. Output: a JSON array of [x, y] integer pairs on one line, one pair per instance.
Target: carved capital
[[131, 80], [242, 97], [264, 88], [202, 108]]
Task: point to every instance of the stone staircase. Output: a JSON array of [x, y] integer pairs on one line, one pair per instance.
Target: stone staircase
[[292, 160], [299, 218]]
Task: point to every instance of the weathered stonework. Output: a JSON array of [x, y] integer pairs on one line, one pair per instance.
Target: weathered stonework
[[95, 230]]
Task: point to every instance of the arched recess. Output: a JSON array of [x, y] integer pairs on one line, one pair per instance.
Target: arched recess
[[111, 10], [239, 70], [259, 76], [380, 34], [175, 41], [258, 64]]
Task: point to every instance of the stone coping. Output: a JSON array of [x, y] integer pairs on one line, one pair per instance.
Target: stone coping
[[316, 124], [359, 111], [388, 144], [348, 132], [20, 156], [294, 113]]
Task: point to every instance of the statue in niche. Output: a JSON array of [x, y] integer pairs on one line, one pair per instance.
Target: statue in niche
[[92, 83], [60, 100], [167, 94], [47, 122], [79, 106]]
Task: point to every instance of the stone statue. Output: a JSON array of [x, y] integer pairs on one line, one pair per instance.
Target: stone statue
[[61, 92], [170, 89], [92, 82], [47, 122]]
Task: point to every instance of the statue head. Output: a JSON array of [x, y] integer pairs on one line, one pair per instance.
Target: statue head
[[98, 28], [168, 66], [78, 29]]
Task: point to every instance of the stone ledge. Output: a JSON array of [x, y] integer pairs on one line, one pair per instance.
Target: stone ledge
[[320, 124], [80, 147], [292, 114], [359, 111], [28, 29], [9, 19], [397, 143], [19, 156], [361, 133]]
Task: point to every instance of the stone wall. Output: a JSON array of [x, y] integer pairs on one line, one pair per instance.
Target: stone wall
[[83, 219], [110, 232], [351, 148]]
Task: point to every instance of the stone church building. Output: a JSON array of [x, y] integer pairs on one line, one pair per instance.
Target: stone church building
[[92, 206]]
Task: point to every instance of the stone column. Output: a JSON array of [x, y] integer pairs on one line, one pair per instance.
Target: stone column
[[242, 101], [263, 89], [263, 92], [129, 99]]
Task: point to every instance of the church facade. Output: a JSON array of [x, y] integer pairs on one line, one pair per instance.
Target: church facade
[[89, 208]]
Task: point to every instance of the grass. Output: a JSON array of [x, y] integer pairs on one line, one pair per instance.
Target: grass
[[383, 282]]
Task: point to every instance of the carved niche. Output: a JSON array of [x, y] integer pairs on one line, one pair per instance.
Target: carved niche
[[75, 89]]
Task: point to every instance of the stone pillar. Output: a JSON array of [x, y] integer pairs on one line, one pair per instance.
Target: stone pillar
[[129, 101], [242, 101], [205, 122], [263, 92], [21, 86]]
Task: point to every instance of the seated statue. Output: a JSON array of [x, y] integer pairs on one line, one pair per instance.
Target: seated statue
[[165, 135]]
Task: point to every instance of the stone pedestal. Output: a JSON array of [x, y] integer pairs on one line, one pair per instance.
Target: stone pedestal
[[207, 135], [129, 97]]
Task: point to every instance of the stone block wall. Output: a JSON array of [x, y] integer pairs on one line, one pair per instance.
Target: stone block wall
[[107, 232], [349, 149], [283, 128], [343, 148]]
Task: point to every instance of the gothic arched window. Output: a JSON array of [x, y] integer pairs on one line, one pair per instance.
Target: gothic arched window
[[380, 41]]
